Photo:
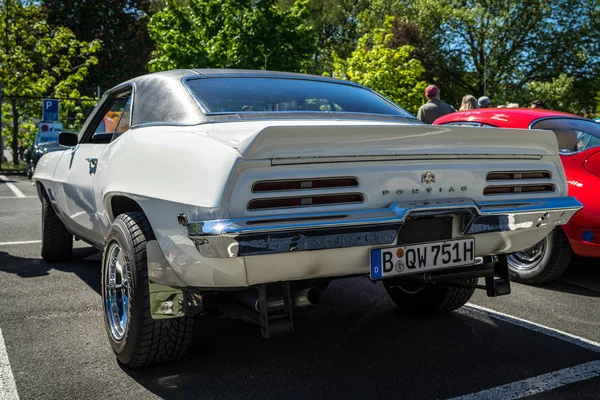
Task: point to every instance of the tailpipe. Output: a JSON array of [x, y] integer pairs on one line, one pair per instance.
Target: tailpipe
[[429, 278], [301, 298]]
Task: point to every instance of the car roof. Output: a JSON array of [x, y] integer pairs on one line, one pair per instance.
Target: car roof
[[163, 98], [178, 75], [503, 117]]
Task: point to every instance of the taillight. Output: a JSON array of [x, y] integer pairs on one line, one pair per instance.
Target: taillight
[[304, 184], [304, 201], [516, 189], [510, 175]]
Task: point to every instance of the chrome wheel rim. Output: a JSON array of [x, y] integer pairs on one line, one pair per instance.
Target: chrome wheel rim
[[116, 291], [528, 258]]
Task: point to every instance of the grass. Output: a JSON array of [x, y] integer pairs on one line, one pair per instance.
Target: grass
[[9, 166]]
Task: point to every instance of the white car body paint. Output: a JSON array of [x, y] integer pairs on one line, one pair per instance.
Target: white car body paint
[[206, 172]]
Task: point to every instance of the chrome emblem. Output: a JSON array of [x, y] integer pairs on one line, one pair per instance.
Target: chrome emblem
[[428, 178]]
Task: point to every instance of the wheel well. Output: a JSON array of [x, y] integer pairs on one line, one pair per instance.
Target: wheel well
[[41, 190], [122, 204]]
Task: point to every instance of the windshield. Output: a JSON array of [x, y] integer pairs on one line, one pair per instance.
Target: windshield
[[266, 95], [573, 134]]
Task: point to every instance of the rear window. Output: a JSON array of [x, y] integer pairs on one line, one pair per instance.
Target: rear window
[[267, 95], [573, 134]]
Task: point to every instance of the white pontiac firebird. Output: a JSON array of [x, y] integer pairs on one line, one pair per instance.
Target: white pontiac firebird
[[246, 192]]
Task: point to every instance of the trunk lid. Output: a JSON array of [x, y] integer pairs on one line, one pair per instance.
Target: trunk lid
[[297, 140]]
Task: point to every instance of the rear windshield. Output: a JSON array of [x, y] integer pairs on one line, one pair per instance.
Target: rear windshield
[[267, 95], [573, 134]]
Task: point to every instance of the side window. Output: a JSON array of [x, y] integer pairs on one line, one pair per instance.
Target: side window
[[572, 134], [123, 124], [107, 119]]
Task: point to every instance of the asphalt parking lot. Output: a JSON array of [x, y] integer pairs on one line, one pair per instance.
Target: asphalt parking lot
[[539, 341]]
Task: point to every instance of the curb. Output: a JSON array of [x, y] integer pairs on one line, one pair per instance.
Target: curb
[[13, 172]]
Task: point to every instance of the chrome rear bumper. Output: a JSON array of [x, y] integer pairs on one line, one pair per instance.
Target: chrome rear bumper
[[334, 230]]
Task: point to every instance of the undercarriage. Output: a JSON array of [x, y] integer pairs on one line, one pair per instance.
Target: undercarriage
[[271, 305]]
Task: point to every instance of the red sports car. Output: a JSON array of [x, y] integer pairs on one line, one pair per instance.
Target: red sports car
[[579, 145]]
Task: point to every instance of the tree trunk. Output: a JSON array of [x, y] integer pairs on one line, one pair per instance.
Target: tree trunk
[[15, 132]]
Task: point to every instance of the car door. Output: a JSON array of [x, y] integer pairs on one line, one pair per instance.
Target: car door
[[77, 168]]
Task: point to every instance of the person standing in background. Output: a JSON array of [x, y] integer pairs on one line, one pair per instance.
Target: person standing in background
[[468, 103], [434, 108], [484, 102], [538, 104]]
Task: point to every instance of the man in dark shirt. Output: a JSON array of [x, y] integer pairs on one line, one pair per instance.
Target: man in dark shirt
[[434, 108]]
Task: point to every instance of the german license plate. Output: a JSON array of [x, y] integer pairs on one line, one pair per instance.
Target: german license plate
[[421, 257]]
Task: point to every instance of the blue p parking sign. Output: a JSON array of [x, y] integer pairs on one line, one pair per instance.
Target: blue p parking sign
[[50, 110]]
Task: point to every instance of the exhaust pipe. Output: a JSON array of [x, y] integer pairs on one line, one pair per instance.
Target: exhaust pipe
[[444, 277], [302, 298]]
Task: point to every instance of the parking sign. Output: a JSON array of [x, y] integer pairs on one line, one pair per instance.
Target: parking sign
[[50, 110]]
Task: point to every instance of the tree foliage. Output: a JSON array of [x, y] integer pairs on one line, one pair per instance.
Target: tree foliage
[[336, 27], [467, 45], [36, 60], [384, 67], [253, 34], [121, 26], [558, 93]]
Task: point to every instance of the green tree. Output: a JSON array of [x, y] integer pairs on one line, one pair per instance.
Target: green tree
[[36, 60], [121, 26], [498, 47], [384, 67], [336, 27], [558, 93], [251, 34]]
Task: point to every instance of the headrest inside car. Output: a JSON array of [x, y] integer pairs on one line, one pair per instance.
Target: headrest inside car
[[567, 139]]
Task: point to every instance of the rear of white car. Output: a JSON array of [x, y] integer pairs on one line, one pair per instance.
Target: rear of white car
[[245, 193], [312, 200]]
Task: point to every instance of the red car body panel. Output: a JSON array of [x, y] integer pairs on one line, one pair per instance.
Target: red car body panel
[[583, 184]]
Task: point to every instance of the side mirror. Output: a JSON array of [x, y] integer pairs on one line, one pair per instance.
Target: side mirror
[[68, 139]]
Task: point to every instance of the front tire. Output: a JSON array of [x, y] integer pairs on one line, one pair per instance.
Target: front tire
[[414, 300], [542, 262], [136, 339], [57, 241]]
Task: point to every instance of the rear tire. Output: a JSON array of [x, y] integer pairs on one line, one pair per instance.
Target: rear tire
[[136, 339], [413, 300], [57, 241], [549, 263]]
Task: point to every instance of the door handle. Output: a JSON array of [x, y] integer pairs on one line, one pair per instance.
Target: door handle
[[92, 161]]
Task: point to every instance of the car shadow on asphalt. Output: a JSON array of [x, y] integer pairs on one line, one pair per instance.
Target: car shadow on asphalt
[[356, 345], [582, 278], [86, 270]]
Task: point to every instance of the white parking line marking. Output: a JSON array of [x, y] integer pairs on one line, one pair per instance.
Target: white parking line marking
[[12, 197], [8, 388], [12, 187], [25, 242], [538, 384], [532, 326]]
